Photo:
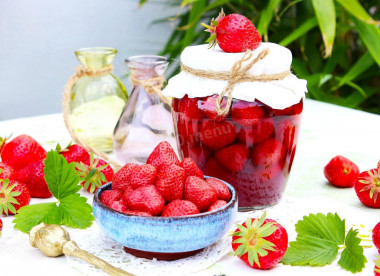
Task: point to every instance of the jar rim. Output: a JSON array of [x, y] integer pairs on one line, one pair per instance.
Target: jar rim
[[96, 50], [145, 61]]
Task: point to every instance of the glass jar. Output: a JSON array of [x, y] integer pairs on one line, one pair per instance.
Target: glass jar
[[254, 154], [97, 99], [251, 146], [146, 119]]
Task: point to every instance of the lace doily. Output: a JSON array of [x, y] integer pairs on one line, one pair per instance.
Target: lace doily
[[95, 242]]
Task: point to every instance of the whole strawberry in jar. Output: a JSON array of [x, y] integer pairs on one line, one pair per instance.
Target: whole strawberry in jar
[[237, 115]]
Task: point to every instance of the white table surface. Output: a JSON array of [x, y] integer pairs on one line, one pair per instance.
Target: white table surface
[[327, 130]]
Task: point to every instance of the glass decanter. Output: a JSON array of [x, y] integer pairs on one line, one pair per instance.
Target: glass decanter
[[146, 119], [97, 100]]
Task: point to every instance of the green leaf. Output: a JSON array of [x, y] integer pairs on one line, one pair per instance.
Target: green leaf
[[330, 227], [352, 258], [325, 12], [370, 35], [60, 176], [75, 211], [300, 31], [364, 63], [310, 250], [357, 10], [267, 15], [32, 215]]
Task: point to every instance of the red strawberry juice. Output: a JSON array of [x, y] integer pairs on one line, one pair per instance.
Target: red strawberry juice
[[252, 147]]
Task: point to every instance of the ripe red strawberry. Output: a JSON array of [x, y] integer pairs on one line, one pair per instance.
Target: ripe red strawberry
[[33, 176], [92, 176], [260, 243], [163, 153], [216, 205], [146, 199], [188, 108], [137, 213], [143, 175], [6, 171], [118, 205], [247, 113], [121, 178], [1, 226], [220, 187], [188, 132], [199, 192], [341, 172], [109, 196], [234, 33], [218, 135], [178, 208], [268, 153], [13, 196], [199, 155], [191, 168], [170, 182], [286, 132], [208, 107], [22, 151], [367, 187], [75, 153], [256, 133], [376, 236], [126, 193], [233, 157]]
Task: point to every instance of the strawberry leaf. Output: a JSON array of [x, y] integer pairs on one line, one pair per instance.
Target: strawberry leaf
[[60, 176], [76, 212], [310, 251], [32, 215], [330, 227], [352, 258]]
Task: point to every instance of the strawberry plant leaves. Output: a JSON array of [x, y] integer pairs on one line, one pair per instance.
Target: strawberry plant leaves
[[330, 227], [76, 212], [60, 176], [352, 258], [310, 250], [32, 215]]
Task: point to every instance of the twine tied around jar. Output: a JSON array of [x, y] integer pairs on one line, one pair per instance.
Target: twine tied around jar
[[239, 73], [151, 86], [80, 72]]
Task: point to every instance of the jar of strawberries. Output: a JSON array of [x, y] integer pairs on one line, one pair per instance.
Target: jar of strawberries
[[237, 115]]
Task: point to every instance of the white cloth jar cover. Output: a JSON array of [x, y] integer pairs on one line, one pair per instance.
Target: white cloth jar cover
[[278, 94]]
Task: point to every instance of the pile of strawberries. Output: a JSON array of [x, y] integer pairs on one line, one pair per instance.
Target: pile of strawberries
[[164, 186], [22, 173]]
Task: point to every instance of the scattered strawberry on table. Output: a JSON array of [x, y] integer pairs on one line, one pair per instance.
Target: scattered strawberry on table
[[234, 33], [367, 187], [341, 172], [164, 186], [13, 196], [260, 243]]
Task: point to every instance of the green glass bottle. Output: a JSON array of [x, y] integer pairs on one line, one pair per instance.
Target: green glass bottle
[[96, 101]]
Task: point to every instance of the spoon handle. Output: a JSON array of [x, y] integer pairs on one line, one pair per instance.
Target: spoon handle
[[71, 249]]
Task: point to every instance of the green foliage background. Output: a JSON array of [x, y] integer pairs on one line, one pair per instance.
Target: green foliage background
[[335, 43]]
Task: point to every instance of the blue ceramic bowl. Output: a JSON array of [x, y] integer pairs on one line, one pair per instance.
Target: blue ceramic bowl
[[163, 237]]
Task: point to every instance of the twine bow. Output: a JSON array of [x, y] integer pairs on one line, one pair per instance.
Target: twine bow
[[80, 72], [239, 73]]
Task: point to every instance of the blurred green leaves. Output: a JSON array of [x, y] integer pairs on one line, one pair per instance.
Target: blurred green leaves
[[335, 43]]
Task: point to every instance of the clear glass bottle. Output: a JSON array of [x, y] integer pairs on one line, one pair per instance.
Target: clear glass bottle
[[146, 119], [96, 101]]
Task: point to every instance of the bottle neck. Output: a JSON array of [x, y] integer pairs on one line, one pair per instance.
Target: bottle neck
[[96, 57]]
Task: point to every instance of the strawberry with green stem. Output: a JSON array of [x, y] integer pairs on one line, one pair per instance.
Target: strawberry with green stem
[[260, 243], [13, 196], [94, 175], [367, 187], [234, 33]]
